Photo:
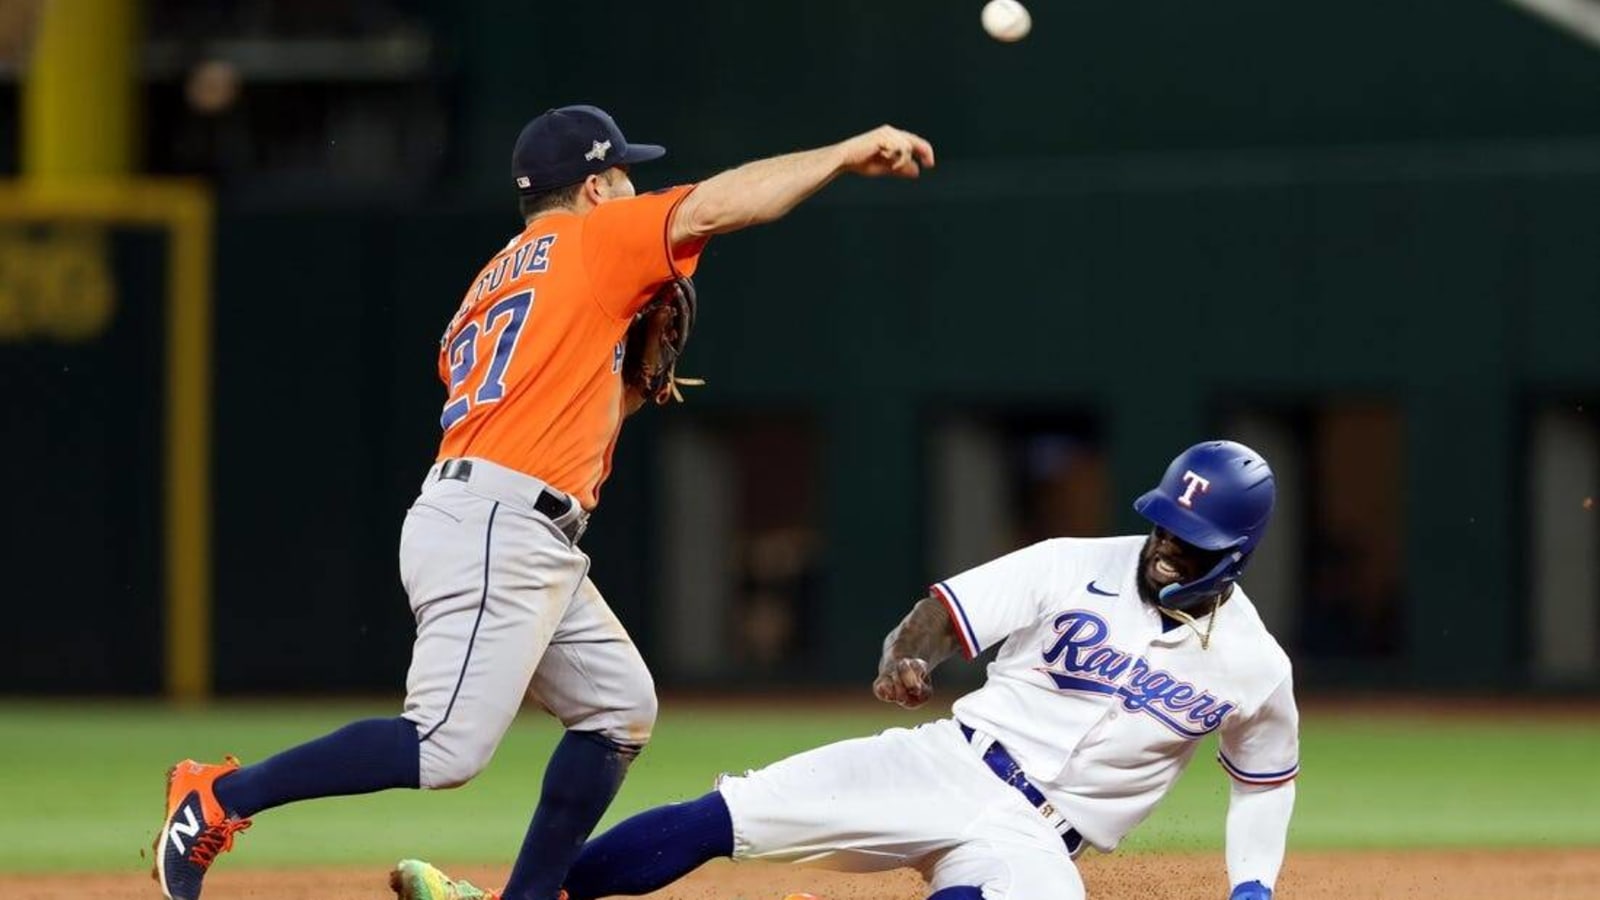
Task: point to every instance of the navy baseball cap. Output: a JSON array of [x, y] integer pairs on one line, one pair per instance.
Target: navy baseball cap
[[564, 146]]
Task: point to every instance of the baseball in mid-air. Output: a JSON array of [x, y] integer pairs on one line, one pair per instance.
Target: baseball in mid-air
[[1006, 20]]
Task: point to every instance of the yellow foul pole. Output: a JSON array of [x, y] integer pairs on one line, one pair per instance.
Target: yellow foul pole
[[79, 99]]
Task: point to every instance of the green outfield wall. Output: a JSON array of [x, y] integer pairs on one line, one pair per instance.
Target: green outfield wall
[[1148, 214]]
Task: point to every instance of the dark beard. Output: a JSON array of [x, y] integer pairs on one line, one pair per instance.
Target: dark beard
[[1147, 591]]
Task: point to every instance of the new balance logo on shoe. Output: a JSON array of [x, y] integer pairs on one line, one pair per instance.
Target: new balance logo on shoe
[[188, 828]]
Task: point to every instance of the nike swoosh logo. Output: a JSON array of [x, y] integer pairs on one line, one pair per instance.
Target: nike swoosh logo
[[1095, 590]]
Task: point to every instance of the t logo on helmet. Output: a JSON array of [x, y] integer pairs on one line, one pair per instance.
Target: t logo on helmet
[[1196, 485]]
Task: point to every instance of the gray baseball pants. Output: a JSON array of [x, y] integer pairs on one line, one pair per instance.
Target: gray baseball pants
[[505, 609]]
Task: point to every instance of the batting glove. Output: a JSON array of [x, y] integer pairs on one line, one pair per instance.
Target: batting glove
[[1251, 890]]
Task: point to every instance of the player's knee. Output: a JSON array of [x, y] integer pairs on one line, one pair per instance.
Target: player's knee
[[452, 765], [626, 721], [642, 722], [635, 721]]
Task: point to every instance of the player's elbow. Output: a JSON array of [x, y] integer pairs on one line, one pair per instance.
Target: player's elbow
[[1246, 787]]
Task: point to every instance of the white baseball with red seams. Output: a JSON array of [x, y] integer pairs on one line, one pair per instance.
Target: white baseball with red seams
[[1006, 20], [1098, 697]]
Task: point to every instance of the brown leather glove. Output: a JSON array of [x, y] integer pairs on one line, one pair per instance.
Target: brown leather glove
[[656, 340]]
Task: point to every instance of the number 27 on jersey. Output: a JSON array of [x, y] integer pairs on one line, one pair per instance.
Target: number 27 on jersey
[[499, 329]]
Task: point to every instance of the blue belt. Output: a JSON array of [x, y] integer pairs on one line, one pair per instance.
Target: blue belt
[[999, 761]]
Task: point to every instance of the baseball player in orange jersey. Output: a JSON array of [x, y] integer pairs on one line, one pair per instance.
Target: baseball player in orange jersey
[[489, 553]]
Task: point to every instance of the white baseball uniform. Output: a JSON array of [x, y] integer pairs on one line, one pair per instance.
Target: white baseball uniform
[[1096, 697]]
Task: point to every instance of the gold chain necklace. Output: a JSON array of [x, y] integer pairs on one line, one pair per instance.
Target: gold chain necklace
[[1185, 618]]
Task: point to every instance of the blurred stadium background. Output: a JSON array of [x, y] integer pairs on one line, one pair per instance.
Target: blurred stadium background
[[1361, 237]]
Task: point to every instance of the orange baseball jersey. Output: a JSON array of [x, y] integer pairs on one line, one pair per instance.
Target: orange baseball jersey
[[533, 356]]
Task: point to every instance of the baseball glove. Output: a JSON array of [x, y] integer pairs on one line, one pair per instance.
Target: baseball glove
[[656, 340]]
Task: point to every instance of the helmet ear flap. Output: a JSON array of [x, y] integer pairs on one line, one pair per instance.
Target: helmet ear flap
[[1186, 597]]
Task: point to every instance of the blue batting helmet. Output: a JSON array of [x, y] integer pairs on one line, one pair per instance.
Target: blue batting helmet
[[1217, 496]]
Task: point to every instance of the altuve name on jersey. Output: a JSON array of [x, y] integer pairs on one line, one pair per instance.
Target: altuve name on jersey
[[531, 257]]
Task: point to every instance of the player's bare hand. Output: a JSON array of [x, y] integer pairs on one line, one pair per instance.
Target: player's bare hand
[[887, 150], [906, 682]]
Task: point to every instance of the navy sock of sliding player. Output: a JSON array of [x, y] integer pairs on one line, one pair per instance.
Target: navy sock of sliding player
[[653, 849], [582, 776], [362, 757], [958, 892]]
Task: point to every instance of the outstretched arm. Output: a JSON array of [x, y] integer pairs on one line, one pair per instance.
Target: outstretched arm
[[1261, 753], [765, 190], [1258, 831], [924, 638]]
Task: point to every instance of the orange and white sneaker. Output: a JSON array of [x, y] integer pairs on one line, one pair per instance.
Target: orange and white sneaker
[[196, 829]]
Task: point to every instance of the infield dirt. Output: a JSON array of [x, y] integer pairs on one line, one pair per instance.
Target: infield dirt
[[1417, 875]]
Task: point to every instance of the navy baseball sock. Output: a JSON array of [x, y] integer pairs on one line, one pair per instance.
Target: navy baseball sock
[[653, 849], [362, 757], [582, 776], [958, 892]]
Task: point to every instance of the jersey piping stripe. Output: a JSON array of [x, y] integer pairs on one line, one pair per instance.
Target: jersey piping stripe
[[1258, 778], [483, 603], [958, 617]]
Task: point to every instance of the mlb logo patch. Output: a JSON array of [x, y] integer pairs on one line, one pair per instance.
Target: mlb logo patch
[[524, 182]]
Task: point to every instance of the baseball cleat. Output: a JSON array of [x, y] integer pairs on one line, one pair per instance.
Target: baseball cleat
[[413, 879], [196, 828]]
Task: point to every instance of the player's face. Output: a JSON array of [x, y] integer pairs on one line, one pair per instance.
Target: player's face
[[1167, 559]]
